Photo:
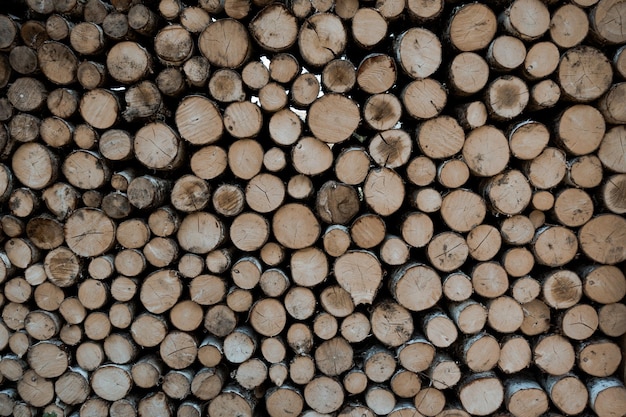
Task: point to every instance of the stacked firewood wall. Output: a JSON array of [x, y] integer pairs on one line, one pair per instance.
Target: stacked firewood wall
[[312, 208]]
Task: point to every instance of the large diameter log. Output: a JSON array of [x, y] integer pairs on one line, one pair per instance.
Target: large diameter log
[[333, 118], [89, 232], [392, 324], [603, 27], [57, 62], [525, 397], [567, 392], [198, 120], [322, 37], [297, 218], [471, 392], [225, 43], [472, 27], [274, 28], [416, 287], [584, 73], [601, 245], [35, 166], [607, 397]]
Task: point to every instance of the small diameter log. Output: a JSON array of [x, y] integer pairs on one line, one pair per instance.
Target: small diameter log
[[369, 27], [469, 316]]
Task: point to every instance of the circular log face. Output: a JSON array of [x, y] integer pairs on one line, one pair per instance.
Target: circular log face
[[295, 226], [89, 232], [333, 118], [225, 43]]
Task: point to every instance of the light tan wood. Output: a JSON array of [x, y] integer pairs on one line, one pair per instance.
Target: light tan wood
[[611, 319], [332, 393], [447, 251], [339, 76], [369, 27], [544, 94], [527, 19], [349, 270], [601, 24], [333, 110], [439, 329], [472, 27], [352, 165], [468, 73], [35, 390], [264, 25], [567, 392], [606, 396], [301, 156], [418, 51], [553, 354], [604, 284], [376, 73], [475, 403], [469, 316], [226, 86], [506, 53], [284, 67], [515, 354], [525, 397], [584, 73], [194, 115], [536, 317], [596, 229], [304, 89], [610, 152], [568, 26], [506, 97], [216, 40]]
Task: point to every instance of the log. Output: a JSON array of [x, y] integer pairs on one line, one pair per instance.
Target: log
[[476, 404], [471, 27], [284, 67]]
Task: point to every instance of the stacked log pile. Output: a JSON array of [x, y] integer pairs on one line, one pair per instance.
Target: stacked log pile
[[312, 208]]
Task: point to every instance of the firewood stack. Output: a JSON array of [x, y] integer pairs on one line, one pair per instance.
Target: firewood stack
[[312, 208]]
